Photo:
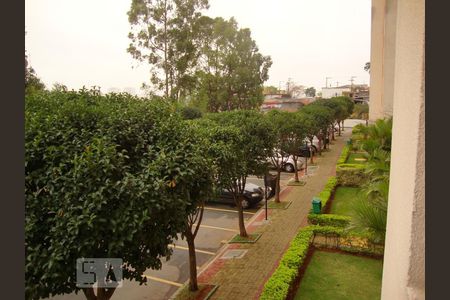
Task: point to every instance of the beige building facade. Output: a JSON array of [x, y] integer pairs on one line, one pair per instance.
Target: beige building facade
[[398, 90]]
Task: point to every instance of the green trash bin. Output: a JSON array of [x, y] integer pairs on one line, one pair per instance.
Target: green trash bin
[[317, 205]]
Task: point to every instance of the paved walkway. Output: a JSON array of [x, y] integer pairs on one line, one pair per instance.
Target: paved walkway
[[244, 278]]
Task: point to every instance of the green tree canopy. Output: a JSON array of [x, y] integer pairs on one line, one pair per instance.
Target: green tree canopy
[[231, 69], [162, 35], [106, 176]]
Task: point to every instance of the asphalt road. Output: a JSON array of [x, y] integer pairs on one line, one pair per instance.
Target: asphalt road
[[219, 224]]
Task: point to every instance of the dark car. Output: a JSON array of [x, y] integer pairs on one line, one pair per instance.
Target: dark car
[[305, 151], [253, 194]]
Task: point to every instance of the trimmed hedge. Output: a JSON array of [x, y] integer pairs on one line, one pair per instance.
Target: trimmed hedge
[[351, 174], [344, 155], [329, 220], [281, 281], [278, 285], [325, 194]]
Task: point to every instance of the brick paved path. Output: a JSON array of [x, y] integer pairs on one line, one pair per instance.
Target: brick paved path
[[242, 279]]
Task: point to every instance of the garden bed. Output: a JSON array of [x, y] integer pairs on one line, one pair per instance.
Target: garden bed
[[343, 200], [338, 275], [356, 158]]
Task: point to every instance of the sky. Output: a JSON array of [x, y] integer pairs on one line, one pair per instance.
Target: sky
[[83, 43]]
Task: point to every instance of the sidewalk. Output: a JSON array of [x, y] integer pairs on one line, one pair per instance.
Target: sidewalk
[[245, 278]]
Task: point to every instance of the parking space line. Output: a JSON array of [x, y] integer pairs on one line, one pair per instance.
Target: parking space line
[[164, 281], [186, 248], [227, 210], [219, 228]]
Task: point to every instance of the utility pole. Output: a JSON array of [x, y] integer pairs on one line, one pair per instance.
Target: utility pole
[[326, 81], [288, 85], [351, 82]]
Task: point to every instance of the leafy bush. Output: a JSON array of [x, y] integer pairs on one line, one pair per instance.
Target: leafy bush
[[329, 220], [105, 176], [351, 174], [344, 155], [278, 285], [325, 194], [190, 113]]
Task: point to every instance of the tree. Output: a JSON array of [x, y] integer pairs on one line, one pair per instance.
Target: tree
[[270, 90], [310, 92], [317, 118], [106, 176], [297, 135], [240, 142], [346, 109], [285, 142], [162, 35], [32, 81], [231, 70], [367, 67]]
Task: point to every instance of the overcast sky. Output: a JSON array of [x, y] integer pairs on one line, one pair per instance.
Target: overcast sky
[[83, 42]]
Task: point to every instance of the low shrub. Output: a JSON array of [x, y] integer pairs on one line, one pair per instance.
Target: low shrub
[[278, 285], [329, 220], [344, 155], [351, 174], [325, 194]]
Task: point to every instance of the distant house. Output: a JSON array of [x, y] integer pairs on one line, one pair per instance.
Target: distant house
[[358, 92], [284, 102]]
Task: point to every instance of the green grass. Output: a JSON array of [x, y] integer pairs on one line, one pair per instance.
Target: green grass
[[341, 276], [252, 238], [344, 199], [351, 158]]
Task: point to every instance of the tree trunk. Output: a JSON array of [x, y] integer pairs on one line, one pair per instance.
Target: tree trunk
[[320, 146], [102, 293], [242, 230], [277, 187], [89, 293], [295, 169], [332, 132], [193, 285], [339, 124], [343, 125]]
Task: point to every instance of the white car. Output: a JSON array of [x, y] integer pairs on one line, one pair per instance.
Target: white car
[[288, 164], [315, 144]]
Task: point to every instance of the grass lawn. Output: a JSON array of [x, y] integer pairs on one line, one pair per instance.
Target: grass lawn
[[344, 199], [341, 276], [356, 158]]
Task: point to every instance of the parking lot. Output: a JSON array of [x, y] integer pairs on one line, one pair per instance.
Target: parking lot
[[220, 224]]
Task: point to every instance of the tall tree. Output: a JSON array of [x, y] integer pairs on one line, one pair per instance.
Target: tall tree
[[162, 35], [310, 92], [231, 69], [105, 176], [32, 81], [240, 141], [282, 123], [367, 66]]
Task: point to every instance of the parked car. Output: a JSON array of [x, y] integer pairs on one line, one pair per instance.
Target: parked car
[[253, 194], [288, 165], [315, 144], [306, 151]]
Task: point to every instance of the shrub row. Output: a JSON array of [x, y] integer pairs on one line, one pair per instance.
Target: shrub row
[[325, 194], [329, 220], [278, 285], [351, 174], [281, 281], [344, 155]]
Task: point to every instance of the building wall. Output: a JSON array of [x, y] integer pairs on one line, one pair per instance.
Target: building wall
[[404, 259], [376, 60], [390, 20], [333, 92]]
